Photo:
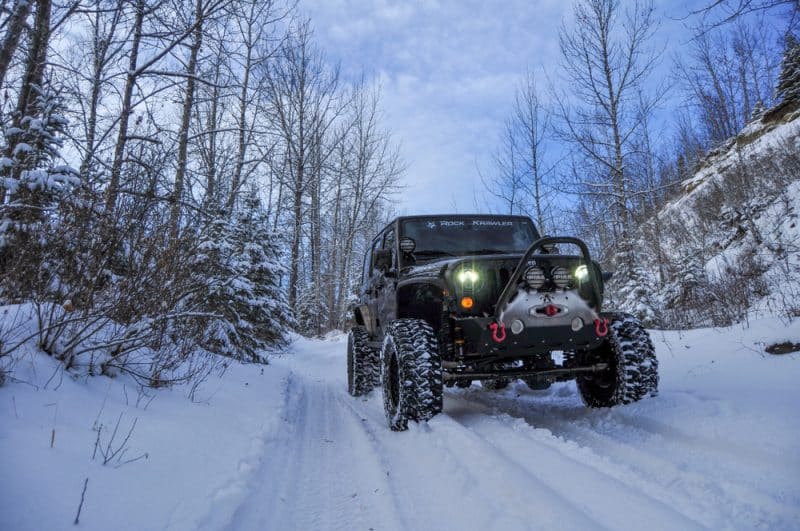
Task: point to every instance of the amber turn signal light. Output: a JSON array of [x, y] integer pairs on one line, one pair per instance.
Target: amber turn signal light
[[467, 302]]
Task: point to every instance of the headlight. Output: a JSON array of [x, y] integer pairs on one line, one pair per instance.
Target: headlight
[[560, 276], [468, 278], [582, 273], [534, 277]]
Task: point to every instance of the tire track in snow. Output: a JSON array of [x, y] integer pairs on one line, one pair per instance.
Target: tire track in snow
[[576, 472], [423, 478], [540, 461], [701, 489], [227, 499], [569, 475], [437, 483], [320, 474]]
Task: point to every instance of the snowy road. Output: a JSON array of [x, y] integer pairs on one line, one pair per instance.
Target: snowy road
[[284, 447], [522, 459]]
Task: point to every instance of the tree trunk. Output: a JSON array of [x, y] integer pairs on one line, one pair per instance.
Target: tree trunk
[[16, 23], [32, 80], [316, 238], [99, 53], [241, 153], [125, 112], [183, 134], [297, 211]]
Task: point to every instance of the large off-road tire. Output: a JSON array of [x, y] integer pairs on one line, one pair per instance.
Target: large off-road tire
[[496, 384], [412, 373], [363, 362], [633, 367]]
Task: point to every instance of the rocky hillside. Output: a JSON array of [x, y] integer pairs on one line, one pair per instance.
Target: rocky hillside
[[728, 245]]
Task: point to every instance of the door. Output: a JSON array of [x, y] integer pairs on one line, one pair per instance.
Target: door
[[386, 284]]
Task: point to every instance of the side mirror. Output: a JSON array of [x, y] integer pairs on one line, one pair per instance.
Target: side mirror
[[382, 259], [607, 275]]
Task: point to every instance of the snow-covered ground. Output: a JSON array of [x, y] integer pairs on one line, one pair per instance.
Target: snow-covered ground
[[284, 447]]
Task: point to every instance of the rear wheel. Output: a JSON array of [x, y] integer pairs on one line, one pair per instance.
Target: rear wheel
[[412, 373], [363, 362], [632, 370]]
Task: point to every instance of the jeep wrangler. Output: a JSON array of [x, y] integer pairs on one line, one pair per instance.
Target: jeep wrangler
[[448, 300]]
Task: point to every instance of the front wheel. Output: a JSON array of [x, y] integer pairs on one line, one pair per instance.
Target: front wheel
[[412, 373], [632, 370]]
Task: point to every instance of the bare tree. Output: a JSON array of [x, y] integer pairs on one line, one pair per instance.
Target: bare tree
[[257, 26], [729, 73], [105, 47], [366, 169], [204, 10], [161, 41], [533, 123], [306, 104], [607, 58], [717, 13], [520, 170], [505, 183]]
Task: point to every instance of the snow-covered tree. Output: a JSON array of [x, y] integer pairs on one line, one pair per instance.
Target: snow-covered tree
[[33, 175], [34, 182], [240, 291], [789, 80]]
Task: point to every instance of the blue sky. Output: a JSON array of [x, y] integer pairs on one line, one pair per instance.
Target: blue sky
[[448, 70]]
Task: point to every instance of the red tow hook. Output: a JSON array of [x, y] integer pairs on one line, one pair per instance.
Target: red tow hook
[[601, 327], [498, 332]]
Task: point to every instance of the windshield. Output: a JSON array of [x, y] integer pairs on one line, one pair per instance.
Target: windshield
[[437, 237]]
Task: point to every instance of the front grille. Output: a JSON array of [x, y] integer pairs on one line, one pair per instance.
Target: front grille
[[496, 277]]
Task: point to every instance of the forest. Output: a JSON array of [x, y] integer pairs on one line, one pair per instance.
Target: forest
[[181, 177], [185, 182]]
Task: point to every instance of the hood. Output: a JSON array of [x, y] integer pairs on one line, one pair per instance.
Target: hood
[[436, 268]]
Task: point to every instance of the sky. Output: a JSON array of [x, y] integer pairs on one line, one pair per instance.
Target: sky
[[448, 70]]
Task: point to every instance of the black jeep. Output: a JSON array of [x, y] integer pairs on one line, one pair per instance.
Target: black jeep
[[450, 299]]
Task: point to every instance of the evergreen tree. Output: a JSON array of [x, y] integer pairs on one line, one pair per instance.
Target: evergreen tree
[[789, 80], [33, 177], [239, 274], [635, 285], [34, 182]]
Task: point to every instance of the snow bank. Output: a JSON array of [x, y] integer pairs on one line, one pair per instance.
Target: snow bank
[[286, 448]]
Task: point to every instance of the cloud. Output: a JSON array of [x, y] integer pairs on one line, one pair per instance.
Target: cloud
[[448, 71]]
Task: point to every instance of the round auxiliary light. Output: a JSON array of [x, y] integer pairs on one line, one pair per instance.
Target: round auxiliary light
[[534, 277], [517, 326], [407, 245], [467, 302], [560, 276]]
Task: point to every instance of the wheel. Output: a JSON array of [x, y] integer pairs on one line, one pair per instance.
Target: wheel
[[633, 367], [412, 373], [363, 362], [496, 384], [463, 383]]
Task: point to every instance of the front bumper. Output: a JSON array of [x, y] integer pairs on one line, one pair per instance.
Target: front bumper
[[541, 338]]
